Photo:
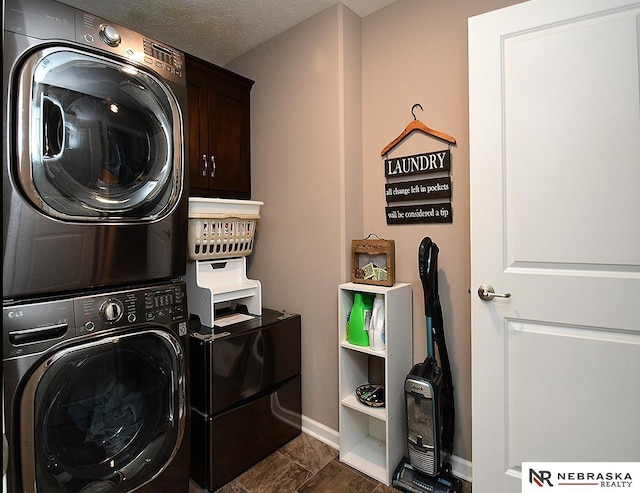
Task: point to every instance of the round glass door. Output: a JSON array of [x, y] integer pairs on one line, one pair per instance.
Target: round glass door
[[98, 139], [107, 415]]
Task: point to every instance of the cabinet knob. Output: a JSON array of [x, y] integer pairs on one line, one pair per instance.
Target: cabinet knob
[[213, 166], [204, 168]]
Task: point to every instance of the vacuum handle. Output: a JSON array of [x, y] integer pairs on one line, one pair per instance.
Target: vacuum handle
[[428, 267]]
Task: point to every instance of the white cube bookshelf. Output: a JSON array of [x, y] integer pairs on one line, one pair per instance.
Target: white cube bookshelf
[[373, 440]]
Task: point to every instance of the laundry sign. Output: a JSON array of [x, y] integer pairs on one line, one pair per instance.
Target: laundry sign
[[430, 162], [426, 190], [436, 188], [437, 164]]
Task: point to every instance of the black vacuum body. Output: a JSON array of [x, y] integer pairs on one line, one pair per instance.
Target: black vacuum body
[[425, 470], [423, 387], [429, 399]]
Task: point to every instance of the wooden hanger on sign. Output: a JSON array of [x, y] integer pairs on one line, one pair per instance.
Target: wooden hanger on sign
[[417, 125]]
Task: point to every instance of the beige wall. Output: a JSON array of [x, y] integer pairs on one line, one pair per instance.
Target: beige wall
[[415, 51], [307, 168], [329, 95]]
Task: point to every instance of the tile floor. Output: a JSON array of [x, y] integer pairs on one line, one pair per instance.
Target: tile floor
[[304, 465]]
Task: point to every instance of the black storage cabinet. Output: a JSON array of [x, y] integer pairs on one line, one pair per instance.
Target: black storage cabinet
[[245, 395]]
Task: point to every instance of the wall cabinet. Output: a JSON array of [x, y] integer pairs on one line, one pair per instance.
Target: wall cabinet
[[373, 440], [219, 138]]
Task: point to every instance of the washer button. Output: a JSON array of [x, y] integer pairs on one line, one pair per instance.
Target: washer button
[[131, 317], [89, 326]]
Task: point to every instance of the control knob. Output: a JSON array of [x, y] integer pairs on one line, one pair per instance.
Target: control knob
[[111, 310], [110, 35]]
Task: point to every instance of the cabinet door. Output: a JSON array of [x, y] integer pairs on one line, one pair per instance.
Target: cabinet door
[[198, 106], [219, 132], [229, 140]]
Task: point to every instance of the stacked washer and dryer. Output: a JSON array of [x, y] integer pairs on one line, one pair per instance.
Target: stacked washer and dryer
[[95, 318]]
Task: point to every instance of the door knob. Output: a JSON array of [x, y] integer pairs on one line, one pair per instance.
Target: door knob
[[487, 293]]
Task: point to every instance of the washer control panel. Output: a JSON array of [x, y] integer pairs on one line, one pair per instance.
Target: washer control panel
[[34, 327], [165, 304]]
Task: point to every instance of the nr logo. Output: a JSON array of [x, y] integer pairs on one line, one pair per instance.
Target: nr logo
[[540, 477]]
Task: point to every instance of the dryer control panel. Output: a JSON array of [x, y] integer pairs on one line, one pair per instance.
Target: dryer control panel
[[53, 20], [105, 35]]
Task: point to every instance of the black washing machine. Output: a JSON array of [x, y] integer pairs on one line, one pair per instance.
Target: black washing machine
[[93, 153], [96, 392]]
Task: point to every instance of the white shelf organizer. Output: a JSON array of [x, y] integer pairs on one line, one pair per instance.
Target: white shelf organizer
[[221, 234], [373, 440], [214, 284]]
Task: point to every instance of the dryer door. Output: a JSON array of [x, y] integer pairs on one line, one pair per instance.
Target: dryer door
[[97, 139], [105, 415]]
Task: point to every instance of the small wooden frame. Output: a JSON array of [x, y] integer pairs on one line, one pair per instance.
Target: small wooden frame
[[373, 262]]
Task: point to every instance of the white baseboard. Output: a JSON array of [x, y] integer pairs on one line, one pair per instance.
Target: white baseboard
[[321, 432], [461, 468]]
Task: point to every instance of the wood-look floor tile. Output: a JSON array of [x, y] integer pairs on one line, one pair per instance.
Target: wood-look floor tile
[[337, 478], [275, 474], [310, 453], [305, 465], [232, 487], [381, 488]]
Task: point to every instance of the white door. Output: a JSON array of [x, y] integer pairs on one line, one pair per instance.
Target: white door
[[555, 221]]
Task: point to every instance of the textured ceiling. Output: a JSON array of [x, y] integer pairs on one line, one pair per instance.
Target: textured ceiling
[[216, 30]]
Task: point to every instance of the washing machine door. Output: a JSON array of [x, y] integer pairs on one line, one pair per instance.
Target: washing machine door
[[97, 139], [105, 415]]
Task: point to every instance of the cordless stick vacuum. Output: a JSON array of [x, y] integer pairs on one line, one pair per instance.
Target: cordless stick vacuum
[[429, 398]]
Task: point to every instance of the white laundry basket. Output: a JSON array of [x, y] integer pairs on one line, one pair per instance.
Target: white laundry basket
[[221, 228]]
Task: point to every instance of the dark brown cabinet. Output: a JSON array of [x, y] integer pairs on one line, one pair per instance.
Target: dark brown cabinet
[[219, 133]]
